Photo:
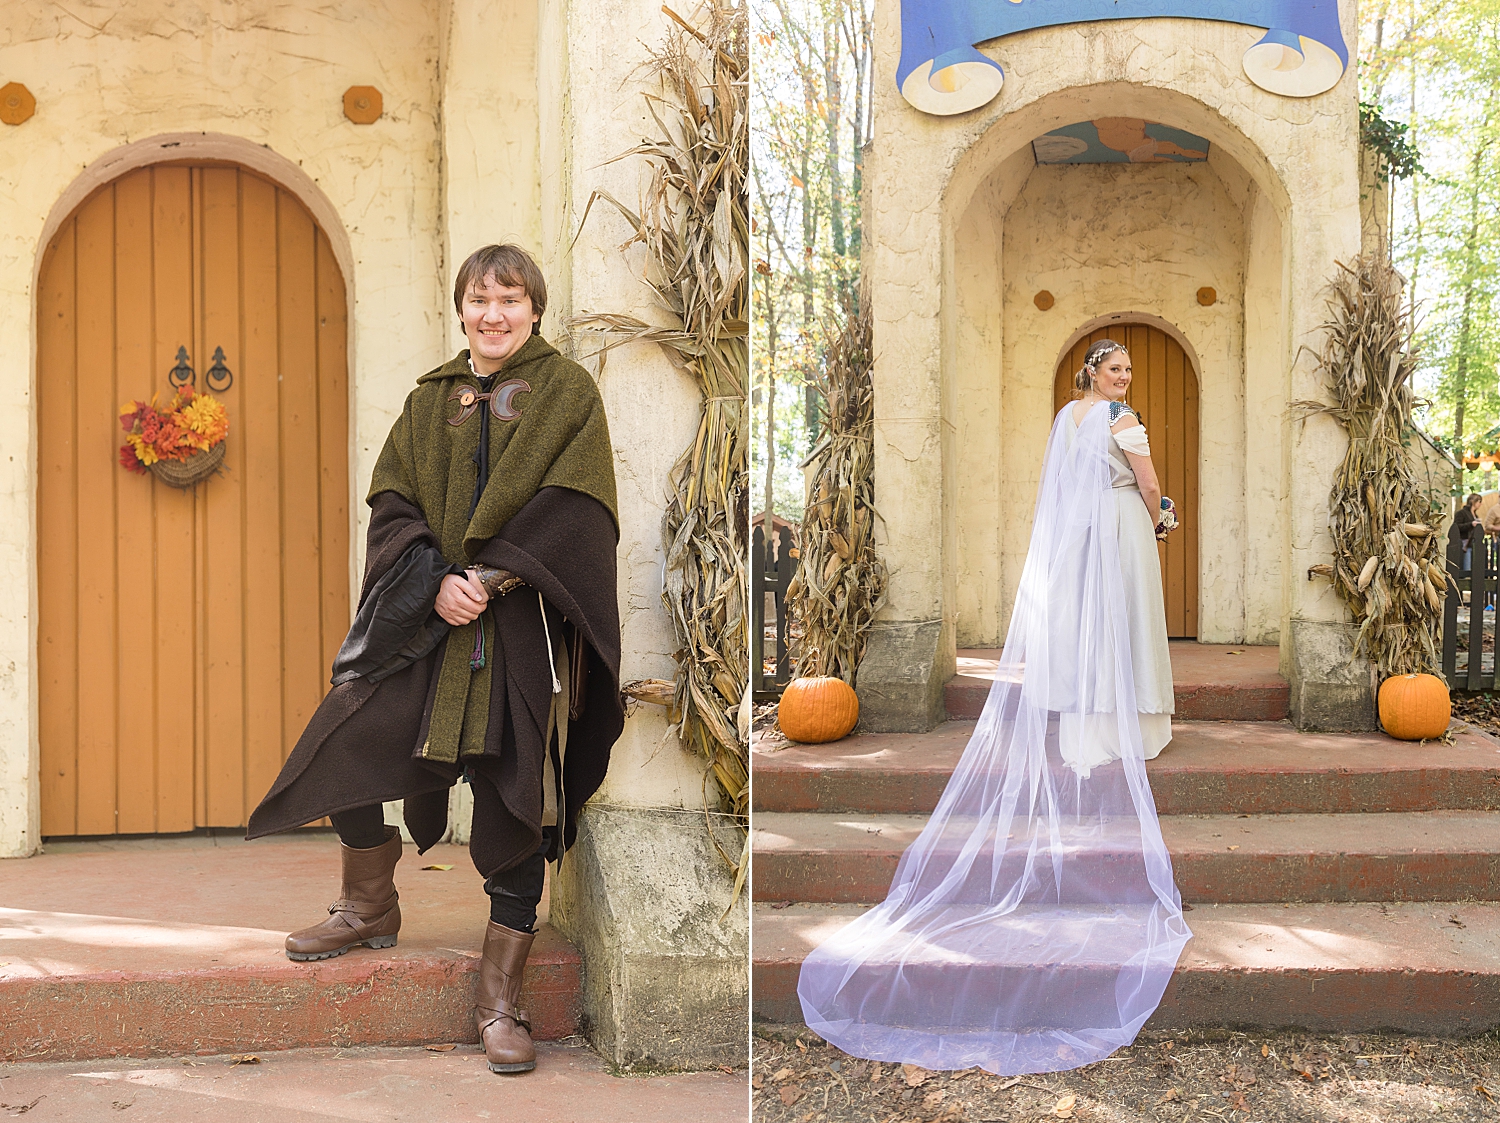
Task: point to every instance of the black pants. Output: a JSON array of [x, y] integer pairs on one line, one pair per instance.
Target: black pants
[[514, 893]]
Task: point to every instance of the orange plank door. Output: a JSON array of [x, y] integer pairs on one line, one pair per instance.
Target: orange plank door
[[185, 636]]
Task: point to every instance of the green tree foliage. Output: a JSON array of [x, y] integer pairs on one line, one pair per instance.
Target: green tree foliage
[[811, 111], [1434, 67]]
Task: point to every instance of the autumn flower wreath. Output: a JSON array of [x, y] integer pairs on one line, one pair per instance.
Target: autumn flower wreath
[[181, 444]]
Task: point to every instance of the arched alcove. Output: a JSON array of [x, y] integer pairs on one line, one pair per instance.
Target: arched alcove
[[1097, 238]]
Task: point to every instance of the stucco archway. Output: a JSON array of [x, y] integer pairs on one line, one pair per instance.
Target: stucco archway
[[1097, 238]]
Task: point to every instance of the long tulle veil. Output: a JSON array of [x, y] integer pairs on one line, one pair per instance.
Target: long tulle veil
[[1034, 924]]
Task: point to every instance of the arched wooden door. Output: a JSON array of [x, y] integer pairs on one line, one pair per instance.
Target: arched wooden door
[[185, 637], [1164, 391]]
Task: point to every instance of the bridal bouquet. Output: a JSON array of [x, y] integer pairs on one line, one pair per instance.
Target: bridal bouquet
[[1168, 521]]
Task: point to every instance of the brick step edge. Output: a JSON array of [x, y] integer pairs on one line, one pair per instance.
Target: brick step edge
[[1346, 1001], [1446, 995], [1212, 768], [964, 695], [1424, 856], [860, 877], [360, 998]]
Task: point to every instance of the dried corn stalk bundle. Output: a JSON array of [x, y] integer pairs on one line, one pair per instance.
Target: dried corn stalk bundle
[[840, 582], [1387, 554], [693, 225]]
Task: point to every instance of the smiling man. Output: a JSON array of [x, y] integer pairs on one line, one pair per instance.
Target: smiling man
[[486, 646]]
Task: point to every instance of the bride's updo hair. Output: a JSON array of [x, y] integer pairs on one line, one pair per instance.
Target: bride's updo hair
[[1094, 356]]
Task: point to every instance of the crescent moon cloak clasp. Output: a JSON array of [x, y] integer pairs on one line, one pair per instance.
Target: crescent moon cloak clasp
[[501, 400]]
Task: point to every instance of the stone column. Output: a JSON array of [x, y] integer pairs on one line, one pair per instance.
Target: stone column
[[1328, 690], [643, 894], [911, 654]]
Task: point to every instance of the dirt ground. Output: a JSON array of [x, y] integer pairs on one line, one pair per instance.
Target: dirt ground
[[1482, 710], [1231, 1077]]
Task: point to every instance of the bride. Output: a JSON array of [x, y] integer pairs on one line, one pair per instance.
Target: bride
[[1034, 923]]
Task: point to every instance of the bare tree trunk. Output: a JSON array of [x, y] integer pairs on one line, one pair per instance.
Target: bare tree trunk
[[809, 247], [1466, 317], [833, 111], [772, 328], [1416, 180]]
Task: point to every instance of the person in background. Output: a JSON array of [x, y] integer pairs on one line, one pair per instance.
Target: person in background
[[1463, 528], [1492, 520]]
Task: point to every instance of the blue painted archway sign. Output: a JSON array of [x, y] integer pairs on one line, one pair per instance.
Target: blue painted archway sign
[[1301, 54]]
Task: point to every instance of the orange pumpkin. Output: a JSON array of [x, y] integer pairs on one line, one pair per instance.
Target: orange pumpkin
[[814, 710], [1415, 707]]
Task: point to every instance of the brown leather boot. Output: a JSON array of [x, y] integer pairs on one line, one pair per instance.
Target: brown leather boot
[[504, 1028], [366, 911]]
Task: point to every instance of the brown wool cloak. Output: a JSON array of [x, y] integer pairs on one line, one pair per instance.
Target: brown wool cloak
[[548, 516]]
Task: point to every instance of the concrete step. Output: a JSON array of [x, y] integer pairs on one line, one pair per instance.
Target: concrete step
[[155, 947], [1393, 856], [1431, 968], [374, 1085], [1227, 768], [1211, 682]]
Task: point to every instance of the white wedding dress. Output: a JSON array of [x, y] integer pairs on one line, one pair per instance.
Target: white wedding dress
[[1034, 924], [1088, 739]]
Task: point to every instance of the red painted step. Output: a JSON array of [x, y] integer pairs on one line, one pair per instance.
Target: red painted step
[[1211, 682], [1392, 856], [1418, 968], [156, 947], [1225, 768]]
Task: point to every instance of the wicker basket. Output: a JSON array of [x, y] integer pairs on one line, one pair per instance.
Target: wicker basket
[[195, 469]]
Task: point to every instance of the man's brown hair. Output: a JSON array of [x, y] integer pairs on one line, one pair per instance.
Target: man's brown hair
[[509, 264]]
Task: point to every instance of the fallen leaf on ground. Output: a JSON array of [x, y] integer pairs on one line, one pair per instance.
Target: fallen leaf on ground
[[801, 1044], [875, 1072], [757, 1081], [1063, 1108], [1172, 1094], [790, 1093], [914, 1075], [1485, 1092], [438, 867], [243, 1059], [1011, 1083], [1237, 1101], [780, 1074], [1265, 1050], [1234, 848], [932, 1099], [440, 1048]]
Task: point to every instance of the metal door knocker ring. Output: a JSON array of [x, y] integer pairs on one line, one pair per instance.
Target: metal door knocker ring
[[218, 377], [500, 399]]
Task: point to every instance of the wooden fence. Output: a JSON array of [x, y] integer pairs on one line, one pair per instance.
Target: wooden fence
[[771, 572], [1469, 614]]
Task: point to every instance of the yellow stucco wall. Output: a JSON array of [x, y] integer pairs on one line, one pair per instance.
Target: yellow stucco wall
[[467, 151]]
